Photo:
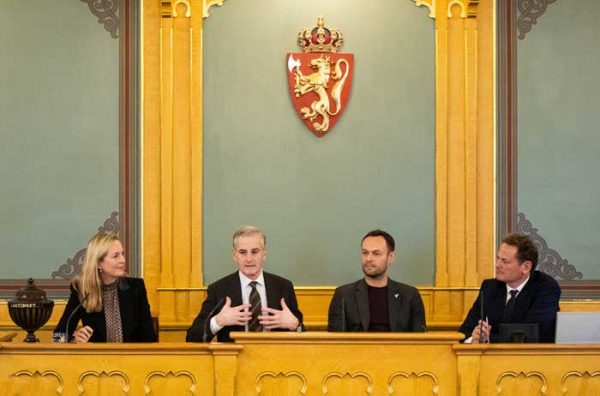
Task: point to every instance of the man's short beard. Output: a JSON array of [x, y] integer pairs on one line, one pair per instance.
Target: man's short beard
[[375, 276]]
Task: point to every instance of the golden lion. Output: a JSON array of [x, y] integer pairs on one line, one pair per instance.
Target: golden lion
[[318, 82]]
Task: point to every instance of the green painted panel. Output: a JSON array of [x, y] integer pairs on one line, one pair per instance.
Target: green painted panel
[[59, 133], [315, 198], [558, 140]]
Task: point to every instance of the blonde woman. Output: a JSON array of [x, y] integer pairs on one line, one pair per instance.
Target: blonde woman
[[114, 308]]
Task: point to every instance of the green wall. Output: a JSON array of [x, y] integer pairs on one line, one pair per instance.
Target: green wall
[[316, 198], [558, 131], [59, 133]]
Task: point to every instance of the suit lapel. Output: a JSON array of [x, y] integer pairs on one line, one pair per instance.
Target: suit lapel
[[236, 290], [497, 301], [125, 307], [394, 303], [523, 296], [361, 298], [271, 290]]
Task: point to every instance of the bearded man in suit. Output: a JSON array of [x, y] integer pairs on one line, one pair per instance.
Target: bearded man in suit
[[376, 302]]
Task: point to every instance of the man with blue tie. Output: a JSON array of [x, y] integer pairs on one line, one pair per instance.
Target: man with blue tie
[[250, 299], [518, 294]]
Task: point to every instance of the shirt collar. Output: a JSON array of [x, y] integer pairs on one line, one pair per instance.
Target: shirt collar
[[518, 288], [245, 281]]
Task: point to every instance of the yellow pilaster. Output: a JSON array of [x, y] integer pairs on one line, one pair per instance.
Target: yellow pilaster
[[464, 149], [172, 153]]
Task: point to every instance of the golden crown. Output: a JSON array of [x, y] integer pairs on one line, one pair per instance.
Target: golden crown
[[320, 38]]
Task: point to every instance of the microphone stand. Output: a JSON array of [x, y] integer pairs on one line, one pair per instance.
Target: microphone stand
[[67, 336], [209, 317]]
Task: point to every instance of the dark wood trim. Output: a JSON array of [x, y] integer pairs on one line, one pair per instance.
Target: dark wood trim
[[509, 117], [55, 288], [128, 73], [580, 289], [507, 138], [127, 129]]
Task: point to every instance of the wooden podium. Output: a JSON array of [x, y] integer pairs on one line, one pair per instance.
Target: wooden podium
[[311, 363], [347, 364]]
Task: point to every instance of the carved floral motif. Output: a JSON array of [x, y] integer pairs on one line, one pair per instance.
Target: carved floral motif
[[549, 260], [72, 266], [529, 12], [106, 11]]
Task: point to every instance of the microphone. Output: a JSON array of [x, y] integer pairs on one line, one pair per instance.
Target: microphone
[[67, 336], [209, 317], [481, 316], [343, 315]]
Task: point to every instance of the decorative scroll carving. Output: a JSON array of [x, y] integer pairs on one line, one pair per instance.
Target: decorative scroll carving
[[521, 376], [427, 3], [102, 374], [111, 224], [583, 377], [351, 378], [209, 3], [191, 389], [106, 11], [466, 10], [72, 266], [37, 374], [169, 8], [414, 377], [549, 260], [530, 11], [282, 376]]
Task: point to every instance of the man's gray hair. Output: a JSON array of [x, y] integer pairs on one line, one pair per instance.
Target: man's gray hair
[[248, 231]]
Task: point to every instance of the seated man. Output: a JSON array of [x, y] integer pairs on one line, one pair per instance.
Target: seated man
[[249, 299], [376, 302], [518, 294]]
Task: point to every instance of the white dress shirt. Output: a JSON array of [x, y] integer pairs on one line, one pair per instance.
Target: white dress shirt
[[246, 289], [508, 290], [518, 288]]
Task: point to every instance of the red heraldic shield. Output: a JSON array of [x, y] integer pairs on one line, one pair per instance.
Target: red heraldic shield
[[320, 84]]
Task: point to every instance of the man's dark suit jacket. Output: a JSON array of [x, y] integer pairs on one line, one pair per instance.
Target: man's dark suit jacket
[[349, 308], [230, 286], [136, 321], [536, 303]]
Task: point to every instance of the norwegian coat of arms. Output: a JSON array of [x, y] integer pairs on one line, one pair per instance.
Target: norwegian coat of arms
[[320, 78]]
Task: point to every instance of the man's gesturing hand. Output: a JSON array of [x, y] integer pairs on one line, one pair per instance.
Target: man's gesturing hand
[[278, 319], [229, 316]]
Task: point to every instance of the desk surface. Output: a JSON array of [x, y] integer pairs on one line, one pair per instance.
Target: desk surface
[[7, 336], [280, 364]]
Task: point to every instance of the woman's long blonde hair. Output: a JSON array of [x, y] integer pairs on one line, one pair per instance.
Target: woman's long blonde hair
[[88, 282]]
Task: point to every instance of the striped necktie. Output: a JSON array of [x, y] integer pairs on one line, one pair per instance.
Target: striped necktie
[[256, 308], [509, 309]]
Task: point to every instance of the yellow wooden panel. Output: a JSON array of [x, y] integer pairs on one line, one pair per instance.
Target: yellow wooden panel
[[134, 369]]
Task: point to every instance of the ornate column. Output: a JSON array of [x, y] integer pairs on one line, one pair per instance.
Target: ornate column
[[172, 154], [464, 151]]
